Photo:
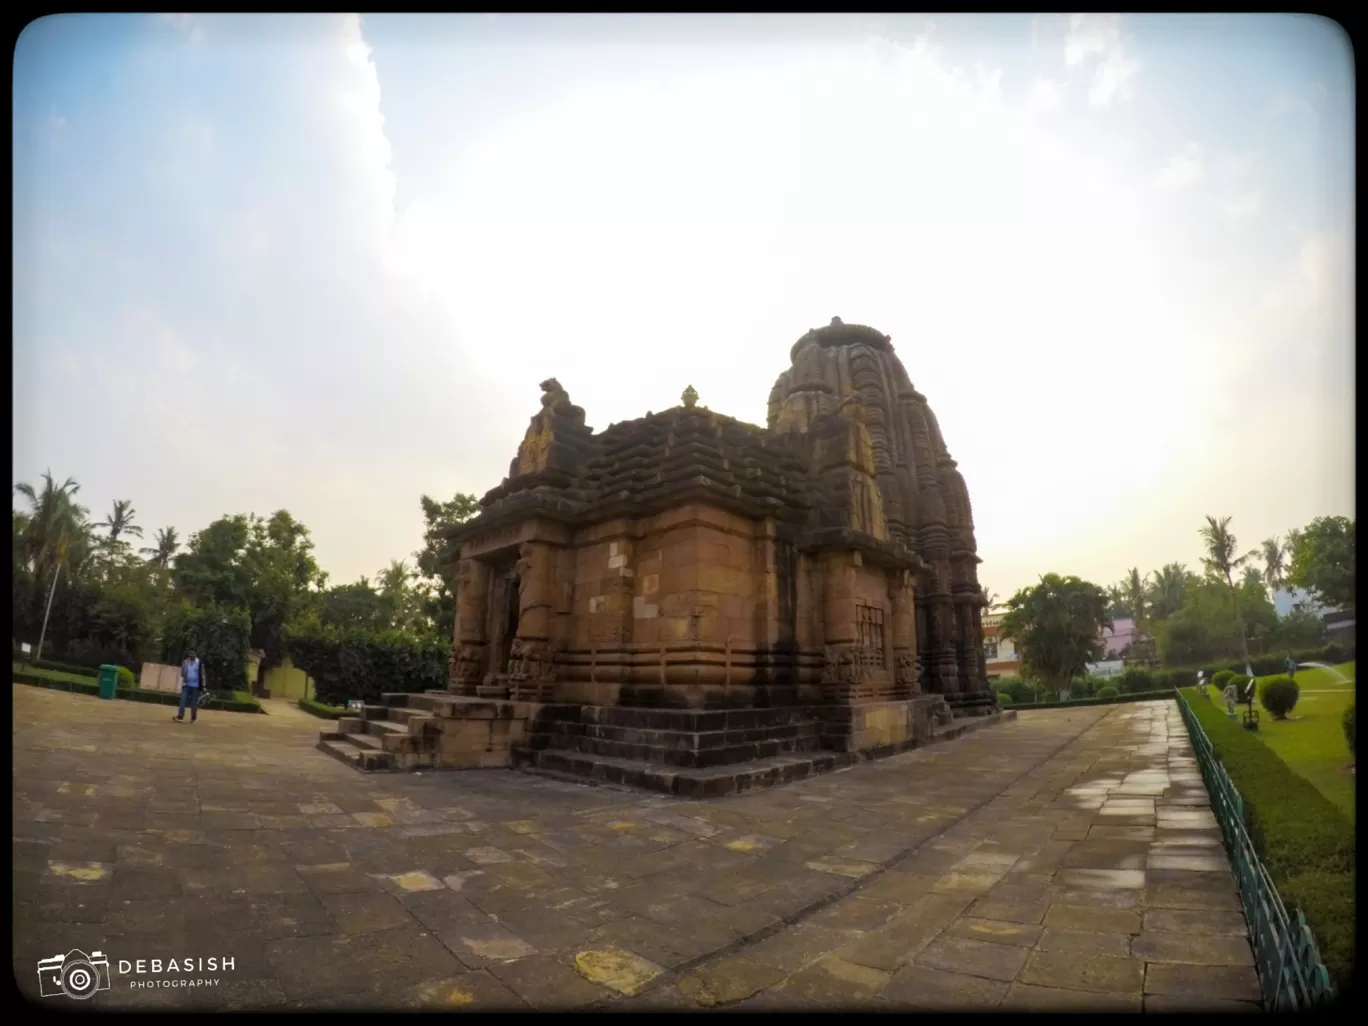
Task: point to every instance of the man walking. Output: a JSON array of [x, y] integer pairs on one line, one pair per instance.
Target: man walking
[[192, 677], [1291, 667]]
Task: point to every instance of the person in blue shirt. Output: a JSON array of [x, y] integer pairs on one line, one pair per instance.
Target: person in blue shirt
[[1291, 667], [192, 678]]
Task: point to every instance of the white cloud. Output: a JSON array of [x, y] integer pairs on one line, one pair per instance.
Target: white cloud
[[1183, 169], [1098, 36], [1244, 207], [1045, 95]]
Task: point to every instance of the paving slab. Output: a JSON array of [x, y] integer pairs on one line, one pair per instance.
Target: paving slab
[[1063, 861]]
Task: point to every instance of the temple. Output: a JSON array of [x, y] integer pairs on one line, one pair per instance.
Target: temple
[[698, 605]]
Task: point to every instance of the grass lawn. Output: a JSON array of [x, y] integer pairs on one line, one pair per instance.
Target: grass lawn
[[1311, 739]]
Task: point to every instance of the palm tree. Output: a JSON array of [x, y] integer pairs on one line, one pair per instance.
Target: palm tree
[[1116, 600], [394, 585], [120, 521], [1133, 595], [990, 598], [1221, 562], [1275, 554], [56, 529], [165, 550], [1167, 589]]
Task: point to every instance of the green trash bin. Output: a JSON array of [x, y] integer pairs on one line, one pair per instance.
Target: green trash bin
[[109, 681]]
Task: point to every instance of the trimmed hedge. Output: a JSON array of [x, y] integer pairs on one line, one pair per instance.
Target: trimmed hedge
[[1221, 678], [1279, 696], [243, 704], [1140, 696], [1107, 691], [323, 712], [1306, 844], [1333, 654]]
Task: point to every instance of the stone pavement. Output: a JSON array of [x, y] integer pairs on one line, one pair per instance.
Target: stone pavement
[[1065, 861]]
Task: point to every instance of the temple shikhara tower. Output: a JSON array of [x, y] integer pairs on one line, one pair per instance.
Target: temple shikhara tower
[[693, 604]]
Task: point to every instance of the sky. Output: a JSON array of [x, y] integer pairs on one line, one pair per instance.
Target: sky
[[321, 263]]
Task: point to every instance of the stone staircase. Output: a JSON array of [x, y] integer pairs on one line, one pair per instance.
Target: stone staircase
[[433, 730], [691, 753]]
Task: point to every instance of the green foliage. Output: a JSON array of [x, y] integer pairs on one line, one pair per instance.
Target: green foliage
[[1004, 701], [1134, 679], [1279, 696], [1057, 627], [1349, 728], [1107, 692], [1305, 843], [219, 635], [348, 664], [1206, 626], [263, 567], [1299, 630], [1221, 678], [435, 558], [1143, 696], [323, 712], [127, 678], [1324, 561], [353, 607]]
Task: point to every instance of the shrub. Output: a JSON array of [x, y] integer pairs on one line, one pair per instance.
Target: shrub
[[1348, 723], [1221, 678], [1306, 844], [323, 712], [127, 678], [1134, 680], [1279, 696], [1108, 692], [1003, 701]]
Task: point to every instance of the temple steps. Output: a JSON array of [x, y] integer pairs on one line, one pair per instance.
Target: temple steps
[[716, 781]]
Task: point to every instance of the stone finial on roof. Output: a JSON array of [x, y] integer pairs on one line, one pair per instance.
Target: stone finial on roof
[[690, 398]]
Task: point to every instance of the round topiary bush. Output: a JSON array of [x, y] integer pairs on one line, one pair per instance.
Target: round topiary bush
[[127, 678], [1279, 696], [1003, 700], [1108, 691], [1348, 723], [1221, 678]]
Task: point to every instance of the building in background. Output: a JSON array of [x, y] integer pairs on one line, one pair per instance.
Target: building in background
[[1123, 640], [1000, 655]]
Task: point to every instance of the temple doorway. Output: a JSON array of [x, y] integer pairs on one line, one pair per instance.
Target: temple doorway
[[503, 613]]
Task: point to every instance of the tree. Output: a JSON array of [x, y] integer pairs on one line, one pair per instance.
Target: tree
[[120, 520], [401, 602], [434, 559], [1167, 587], [352, 607], [1116, 600], [56, 532], [990, 598], [1252, 575], [165, 548], [1221, 561], [1133, 593], [1323, 561], [1205, 628], [1274, 564], [1057, 626]]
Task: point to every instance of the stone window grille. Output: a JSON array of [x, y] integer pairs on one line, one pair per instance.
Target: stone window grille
[[869, 622]]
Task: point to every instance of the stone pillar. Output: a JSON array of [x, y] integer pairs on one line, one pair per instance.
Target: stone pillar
[[536, 575], [470, 643], [843, 671], [902, 600]]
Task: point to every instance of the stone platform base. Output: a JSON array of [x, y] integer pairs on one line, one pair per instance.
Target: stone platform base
[[690, 753], [715, 781]]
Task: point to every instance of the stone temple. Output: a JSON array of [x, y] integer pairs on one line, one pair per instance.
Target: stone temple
[[697, 605]]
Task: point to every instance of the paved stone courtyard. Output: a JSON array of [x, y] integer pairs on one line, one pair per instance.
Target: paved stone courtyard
[[1065, 861]]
